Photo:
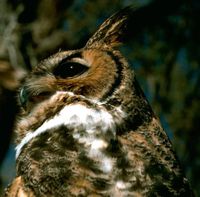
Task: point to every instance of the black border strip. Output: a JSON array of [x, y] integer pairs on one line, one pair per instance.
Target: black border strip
[[118, 78]]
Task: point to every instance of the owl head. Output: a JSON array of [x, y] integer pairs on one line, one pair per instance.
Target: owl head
[[97, 71]]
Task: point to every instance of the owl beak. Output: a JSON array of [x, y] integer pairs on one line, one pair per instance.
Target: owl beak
[[23, 97], [26, 97]]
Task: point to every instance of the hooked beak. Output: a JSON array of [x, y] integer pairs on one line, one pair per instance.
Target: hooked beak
[[23, 97], [26, 97]]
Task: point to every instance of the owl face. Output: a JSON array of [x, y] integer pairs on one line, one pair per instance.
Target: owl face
[[93, 73]]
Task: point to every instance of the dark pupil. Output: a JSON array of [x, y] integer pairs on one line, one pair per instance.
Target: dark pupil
[[69, 69]]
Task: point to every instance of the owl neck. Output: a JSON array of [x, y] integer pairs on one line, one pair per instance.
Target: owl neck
[[131, 99]]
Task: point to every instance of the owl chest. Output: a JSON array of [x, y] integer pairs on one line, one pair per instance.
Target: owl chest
[[76, 144], [61, 160], [79, 148]]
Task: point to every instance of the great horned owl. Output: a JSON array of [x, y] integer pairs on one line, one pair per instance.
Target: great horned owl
[[88, 130]]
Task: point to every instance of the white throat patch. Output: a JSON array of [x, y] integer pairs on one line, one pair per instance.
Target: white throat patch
[[74, 116]]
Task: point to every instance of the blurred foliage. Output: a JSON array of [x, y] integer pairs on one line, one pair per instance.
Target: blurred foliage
[[165, 57]]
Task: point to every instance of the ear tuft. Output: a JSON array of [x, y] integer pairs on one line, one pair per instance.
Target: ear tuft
[[112, 32]]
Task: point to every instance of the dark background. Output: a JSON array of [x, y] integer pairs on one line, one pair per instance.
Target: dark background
[[163, 46]]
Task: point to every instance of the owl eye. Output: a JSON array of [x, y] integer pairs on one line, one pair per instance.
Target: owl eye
[[69, 69]]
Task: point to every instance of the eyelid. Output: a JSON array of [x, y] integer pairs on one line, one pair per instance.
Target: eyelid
[[79, 60]]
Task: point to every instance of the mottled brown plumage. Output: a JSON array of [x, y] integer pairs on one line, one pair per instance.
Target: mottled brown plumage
[[88, 130]]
